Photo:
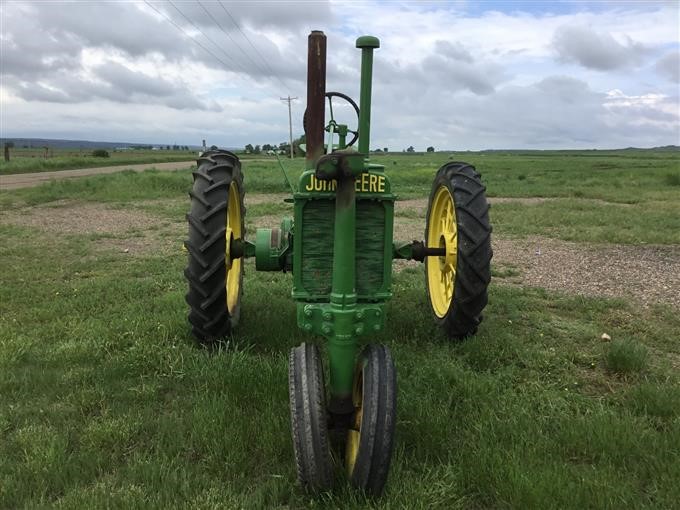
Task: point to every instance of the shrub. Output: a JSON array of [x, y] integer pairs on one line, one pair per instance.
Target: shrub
[[100, 153]]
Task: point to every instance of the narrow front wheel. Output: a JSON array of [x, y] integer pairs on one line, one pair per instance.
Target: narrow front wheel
[[308, 418], [370, 438]]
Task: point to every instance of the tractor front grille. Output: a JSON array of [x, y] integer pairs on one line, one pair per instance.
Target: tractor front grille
[[317, 247]]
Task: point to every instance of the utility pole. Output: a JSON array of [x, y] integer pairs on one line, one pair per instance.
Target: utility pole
[[290, 122]]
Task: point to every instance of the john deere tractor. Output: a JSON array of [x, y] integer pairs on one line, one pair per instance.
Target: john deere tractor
[[339, 246]]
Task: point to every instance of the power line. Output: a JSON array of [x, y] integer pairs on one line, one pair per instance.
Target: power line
[[232, 59], [229, 36], [207, 37], [266, 63], [227, 67], [168, 18]]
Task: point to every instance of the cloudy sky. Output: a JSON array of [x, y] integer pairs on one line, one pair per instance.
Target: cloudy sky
[[458, 75]]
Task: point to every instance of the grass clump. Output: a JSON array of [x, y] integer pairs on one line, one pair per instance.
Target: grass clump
[[672, 179], [626, 357], [655, 400], [504, 271]]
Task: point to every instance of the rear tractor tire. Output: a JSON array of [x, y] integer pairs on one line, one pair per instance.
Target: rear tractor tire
[[458, 220], [216, 218]]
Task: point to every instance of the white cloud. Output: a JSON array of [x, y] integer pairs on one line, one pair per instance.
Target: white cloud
[[657, 110], [669, 66], [596, 50], [443, 76]]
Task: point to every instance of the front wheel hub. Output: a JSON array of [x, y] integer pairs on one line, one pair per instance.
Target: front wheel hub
[[447, 262]]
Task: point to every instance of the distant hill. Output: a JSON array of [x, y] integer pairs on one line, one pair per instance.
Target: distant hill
[[665, 148], [87, 144], [77, 144]]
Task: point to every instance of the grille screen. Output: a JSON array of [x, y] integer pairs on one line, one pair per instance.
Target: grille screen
[[370, 246], [317, 246]]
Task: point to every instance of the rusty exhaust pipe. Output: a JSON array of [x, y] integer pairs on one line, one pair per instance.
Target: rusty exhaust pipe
[[316, 97]]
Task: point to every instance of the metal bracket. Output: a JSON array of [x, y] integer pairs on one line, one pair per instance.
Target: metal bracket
[[239, 248], [415, 250], [340, 164]]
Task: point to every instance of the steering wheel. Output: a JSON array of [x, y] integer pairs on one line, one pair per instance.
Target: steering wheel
[[330, 96]]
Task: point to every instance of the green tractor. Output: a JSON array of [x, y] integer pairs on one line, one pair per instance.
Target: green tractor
[[339, 247]]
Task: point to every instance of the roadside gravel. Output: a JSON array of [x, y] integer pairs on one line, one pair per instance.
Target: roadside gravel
[[645, 273], [649, 274]]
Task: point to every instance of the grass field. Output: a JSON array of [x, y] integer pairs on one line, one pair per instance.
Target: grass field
[[34, 160], [105, 401]]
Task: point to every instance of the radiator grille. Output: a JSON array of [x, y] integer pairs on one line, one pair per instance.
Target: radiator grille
[[317, 246]]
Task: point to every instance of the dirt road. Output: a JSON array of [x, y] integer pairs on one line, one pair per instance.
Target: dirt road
[[15, 181], [648, 274]]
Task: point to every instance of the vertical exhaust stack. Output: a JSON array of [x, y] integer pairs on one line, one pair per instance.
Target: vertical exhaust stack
[[367, 43], [316, 96]]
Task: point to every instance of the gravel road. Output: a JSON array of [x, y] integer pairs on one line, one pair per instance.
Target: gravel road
[[647, 274], [15, 181]]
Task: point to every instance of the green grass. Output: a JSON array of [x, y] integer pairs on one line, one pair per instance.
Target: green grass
[[626, 357], [591, 197], [613, 176], [584, 220], [25, 161], [673, 179], [126, 187], [105, 401]]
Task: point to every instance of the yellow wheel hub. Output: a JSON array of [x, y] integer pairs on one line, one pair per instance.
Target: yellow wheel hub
[[233, 231], [442, 232], [354, 433]]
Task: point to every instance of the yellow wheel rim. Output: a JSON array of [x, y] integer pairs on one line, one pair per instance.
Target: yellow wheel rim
[[442, 232], [233, 231], [354, 432]]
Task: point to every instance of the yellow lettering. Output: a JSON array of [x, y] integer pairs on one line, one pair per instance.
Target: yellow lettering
[[367, 183]]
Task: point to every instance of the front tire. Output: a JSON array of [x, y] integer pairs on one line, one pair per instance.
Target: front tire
[[370, 439], [308, 418], [215, 219], [458, 220]]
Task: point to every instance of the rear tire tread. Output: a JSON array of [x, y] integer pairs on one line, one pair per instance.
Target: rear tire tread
[[473, 267], [206, 271]]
